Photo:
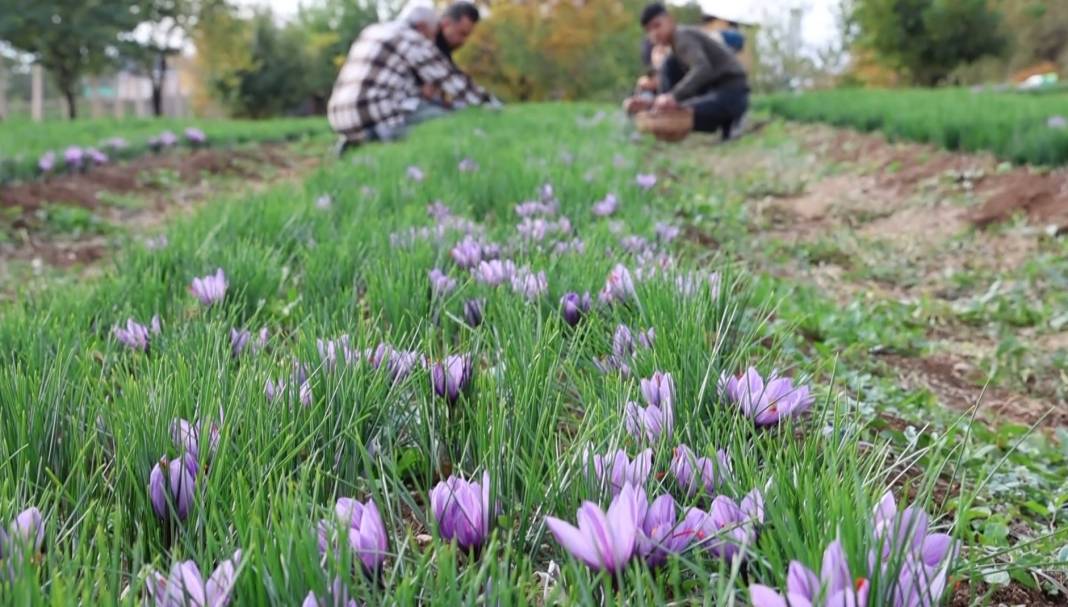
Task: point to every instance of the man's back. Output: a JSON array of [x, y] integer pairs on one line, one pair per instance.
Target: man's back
[[708, 63]]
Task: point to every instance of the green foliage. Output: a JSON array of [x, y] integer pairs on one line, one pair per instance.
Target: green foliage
[[69, 38], [929, 38], [1013, 126], [330, 27]]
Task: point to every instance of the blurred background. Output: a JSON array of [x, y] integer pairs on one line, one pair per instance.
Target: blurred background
[[263, 58]]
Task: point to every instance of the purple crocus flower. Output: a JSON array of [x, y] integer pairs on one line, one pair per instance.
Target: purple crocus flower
[[699, 473], [645, 181], [47, 162], [658, 418], [437, 210], [665, 232], [625, 342], [529, 284], [96, 157], [74, 158], [195, 136], [238, 340], [462, 511], [167, 139], [273, 390], [575, 245], [451, 377], [663, 534], [440, 283], [186, 586], [619, 286], [172, 486], [329, 349], [606, 206], [473, 312], [26, 531], [617, 469], [324, 202], [467, 254], [209, 289], [135, 335], [766, 404], [187, 435], [115, 144], [305, 394], [834, 586], [415, 173], [603, 541], [467, 165], [574, 307], [494, 272], [924, 558], [339, 597], [1057, 122], [364, 529], [728, 527]]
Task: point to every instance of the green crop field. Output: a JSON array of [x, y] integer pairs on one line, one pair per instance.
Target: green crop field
[[493, 332], [23, 142], [1017, 127]]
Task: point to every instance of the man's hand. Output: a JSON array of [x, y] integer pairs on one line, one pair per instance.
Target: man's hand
[[633, 105], [647, 83], [665, 102], [430, 92]]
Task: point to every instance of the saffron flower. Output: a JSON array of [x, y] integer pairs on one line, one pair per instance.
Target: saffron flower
[[729, 527], [658, 418], [273, 390], [769, 403], [438, 210], [473, 312], [619, 286], [187, 435], [467, 165], [172, 486], [186, 586], [924, 558], [833, 586], [606, 206], [1057, 122], [115, 144], [96, 156], [532, 208], [663, 534], [167, 139], [26, 531], [440, 283], [451, 377], [665, 232], [625, 343], [699, 473], [240, 340], [135, 335], [339, 597], [529, 284], [364, 531], [324, 202], [328, 352], [574, 306], [74, 158], [467, 254], [462, 511], [494, 272], [415, 174], [47, 162], [617, 469], [603, 541], [645, 181], [195, 136], [209, 289]]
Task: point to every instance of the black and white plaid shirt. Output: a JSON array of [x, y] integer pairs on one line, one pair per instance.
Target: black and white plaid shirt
[[379, 83]]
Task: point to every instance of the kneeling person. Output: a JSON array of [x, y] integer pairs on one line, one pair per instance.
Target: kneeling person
[[394, 76], [700, 74]]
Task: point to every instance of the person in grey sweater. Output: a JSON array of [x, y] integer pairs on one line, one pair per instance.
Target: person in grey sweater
[[701, 74]]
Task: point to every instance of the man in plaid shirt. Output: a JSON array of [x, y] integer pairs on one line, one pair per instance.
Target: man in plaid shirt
[[395, 76]]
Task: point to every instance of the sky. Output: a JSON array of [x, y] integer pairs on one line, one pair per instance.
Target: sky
[[817, 25]]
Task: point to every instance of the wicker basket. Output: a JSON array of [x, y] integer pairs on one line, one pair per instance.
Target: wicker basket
[[666, 125]]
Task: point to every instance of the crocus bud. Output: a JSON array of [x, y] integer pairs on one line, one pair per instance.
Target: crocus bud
[[574, 307], [451, 377], [473, 312]]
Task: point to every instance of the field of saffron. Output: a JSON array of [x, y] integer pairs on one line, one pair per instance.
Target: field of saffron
[[490, 369]]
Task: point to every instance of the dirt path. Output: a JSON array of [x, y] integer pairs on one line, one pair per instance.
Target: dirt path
[[967, 244], [70, 223]]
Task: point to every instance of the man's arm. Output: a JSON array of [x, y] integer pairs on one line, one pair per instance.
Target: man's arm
[[701, 71], [434, 68]]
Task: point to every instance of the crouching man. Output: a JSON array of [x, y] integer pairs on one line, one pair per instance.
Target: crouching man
[[701, 75], [394, 76]]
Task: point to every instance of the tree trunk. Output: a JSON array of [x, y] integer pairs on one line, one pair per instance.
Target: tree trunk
[[157, 87], [72, 104]]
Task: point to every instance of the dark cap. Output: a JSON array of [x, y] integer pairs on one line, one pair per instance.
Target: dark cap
[[652, 11]]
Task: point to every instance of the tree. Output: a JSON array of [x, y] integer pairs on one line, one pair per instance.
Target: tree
[[329, 28], [927, 39], [69, 38], [162, 34]]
